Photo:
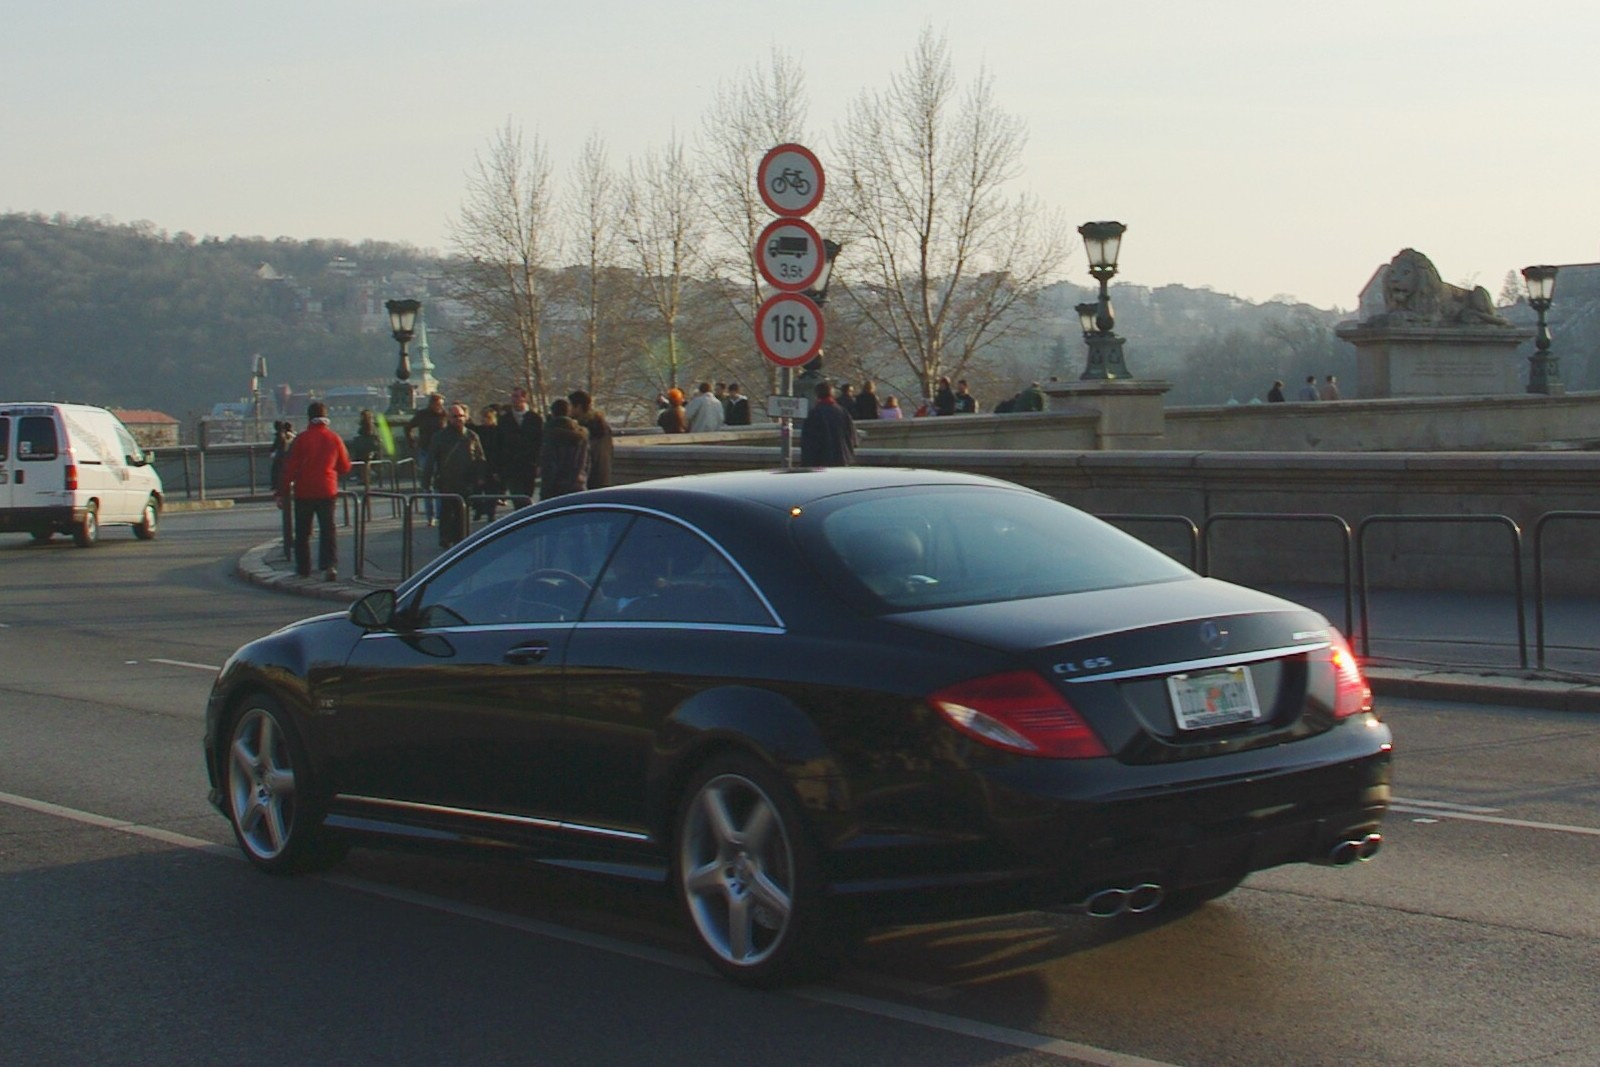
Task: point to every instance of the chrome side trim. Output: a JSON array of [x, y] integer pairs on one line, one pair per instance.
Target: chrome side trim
[[529, 821], [1197, 664]]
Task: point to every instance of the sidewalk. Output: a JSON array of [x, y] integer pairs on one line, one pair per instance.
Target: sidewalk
[[1425, 645]]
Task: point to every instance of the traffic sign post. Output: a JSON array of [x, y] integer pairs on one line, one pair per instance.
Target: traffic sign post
[[791, 257]]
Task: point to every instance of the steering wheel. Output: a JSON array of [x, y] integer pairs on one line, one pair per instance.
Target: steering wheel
[[549, 588]]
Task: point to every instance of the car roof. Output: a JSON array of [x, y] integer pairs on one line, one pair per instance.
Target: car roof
[[785, 488]]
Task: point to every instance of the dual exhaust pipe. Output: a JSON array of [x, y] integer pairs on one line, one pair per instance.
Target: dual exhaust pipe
[[1122, 900], [1356, 850]]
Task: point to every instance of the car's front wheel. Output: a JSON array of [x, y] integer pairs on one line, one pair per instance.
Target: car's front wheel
[[746, 874], [269, 792]]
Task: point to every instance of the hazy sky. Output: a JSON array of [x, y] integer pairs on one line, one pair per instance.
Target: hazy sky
[[1255, 147]]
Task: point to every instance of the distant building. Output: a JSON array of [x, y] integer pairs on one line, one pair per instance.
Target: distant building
[[152, 429]]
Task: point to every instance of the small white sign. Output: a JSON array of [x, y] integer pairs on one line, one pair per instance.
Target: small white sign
[[787, 407]]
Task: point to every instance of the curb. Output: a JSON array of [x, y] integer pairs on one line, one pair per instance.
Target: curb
[[172, 507], [254, 567]]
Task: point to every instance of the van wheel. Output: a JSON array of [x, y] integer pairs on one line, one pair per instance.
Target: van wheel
[[145, 528], [84, 534]]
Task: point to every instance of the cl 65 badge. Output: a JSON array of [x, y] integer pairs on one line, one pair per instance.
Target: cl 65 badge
[[1093, 663]]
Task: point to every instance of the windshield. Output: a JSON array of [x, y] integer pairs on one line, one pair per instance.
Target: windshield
[[930, 547]]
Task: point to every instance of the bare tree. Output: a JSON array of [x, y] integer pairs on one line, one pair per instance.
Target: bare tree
[[598, 290], [763, 108], [505, 236], [940, 258], [665, 225]]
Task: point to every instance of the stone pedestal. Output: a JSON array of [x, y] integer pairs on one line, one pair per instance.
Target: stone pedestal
[[1435, 360], [1131, 412]]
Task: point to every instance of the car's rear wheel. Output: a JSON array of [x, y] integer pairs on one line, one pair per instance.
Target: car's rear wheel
[[267, 780], [88, 528], [747, 875], [145, 528]]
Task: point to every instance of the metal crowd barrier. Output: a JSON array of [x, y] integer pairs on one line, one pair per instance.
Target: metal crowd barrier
[[1538, 572], [1516, 566]]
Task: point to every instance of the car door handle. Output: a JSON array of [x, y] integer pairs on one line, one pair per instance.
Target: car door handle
[[524, 654]]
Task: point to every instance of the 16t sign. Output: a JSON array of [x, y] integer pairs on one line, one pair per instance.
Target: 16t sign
[[789, 329]]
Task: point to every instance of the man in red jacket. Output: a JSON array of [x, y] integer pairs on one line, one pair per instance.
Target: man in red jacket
[[310, 477]]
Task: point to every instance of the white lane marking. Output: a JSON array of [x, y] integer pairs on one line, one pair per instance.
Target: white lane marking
[[185, 663], [1444, 805], [1521, 824], [932, 1020]]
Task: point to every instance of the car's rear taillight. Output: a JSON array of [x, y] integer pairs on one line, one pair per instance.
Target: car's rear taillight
[[72, 477], [1020, 712], [1352, 695]]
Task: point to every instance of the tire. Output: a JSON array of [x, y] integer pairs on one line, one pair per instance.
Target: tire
[[746, 874], [145, 529], [87, 531], [268, 789]]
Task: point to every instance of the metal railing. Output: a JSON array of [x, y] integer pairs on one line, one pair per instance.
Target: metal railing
[[1538, 573], [1516, 566]]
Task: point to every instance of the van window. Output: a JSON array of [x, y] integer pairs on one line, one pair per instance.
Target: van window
[[36, 438], [5, 438]]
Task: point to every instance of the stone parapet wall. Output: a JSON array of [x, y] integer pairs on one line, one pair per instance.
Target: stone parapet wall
[[1351, 485]]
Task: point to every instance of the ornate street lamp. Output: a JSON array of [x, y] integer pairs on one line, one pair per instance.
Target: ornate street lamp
[[1103, 242], [1544, 371], [403, 324]]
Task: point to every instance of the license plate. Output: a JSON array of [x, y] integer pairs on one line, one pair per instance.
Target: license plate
[[1213, 698]]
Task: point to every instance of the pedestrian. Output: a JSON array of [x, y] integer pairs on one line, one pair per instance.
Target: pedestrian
[[1030, 399], [459, 466], [1275, 394], [966, 403], [844, 394], [600, 435], [488, 430], [704, 412], [738, 407], [672, 418], [828, 436], [1308, 391], [1330, 388], [365, 447], [419, 436], [282, 437], [944, 398], [310, 484], [564, 463], [867, 407], [520, 431], [890, 409]]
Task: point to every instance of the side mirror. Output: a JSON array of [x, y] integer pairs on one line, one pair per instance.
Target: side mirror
[[375, 611]]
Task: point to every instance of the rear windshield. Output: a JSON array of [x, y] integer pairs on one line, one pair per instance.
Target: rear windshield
[[36, 437], [942, 546]]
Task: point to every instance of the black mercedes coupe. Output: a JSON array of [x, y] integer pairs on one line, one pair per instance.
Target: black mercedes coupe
[[813, 701]]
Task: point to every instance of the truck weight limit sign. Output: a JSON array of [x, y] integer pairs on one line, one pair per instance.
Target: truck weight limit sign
[[789, 329], [790, 255]]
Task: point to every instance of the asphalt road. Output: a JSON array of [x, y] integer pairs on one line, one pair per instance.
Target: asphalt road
[[131, 933]]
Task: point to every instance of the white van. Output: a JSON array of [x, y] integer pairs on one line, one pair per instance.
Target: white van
[[71, 468]]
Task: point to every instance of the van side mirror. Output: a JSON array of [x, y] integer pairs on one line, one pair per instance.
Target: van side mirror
[[375, 611]]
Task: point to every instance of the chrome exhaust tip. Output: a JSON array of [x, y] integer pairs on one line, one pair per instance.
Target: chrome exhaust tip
[[1122, 900], [1356, 850]]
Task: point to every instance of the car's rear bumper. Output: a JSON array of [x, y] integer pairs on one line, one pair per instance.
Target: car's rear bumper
[[61, 517]]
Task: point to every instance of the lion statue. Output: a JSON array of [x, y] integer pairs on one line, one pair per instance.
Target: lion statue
[[1415, 295]]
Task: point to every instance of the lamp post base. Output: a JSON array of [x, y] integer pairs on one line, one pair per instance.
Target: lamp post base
[[1105, 358]]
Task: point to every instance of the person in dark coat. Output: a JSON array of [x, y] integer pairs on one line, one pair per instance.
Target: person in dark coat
[[282, 437], [520, 434], [738, 406], [1275, 394], [944, 400], [459, 469], [564, 461], [600, 437], [828, 436], [866, 408], [672, 418]]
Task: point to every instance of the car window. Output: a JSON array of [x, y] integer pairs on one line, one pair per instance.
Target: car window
[[130, 447], [36, 438], [938, 548], [664, 572], [541, 571], [5, 438]]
